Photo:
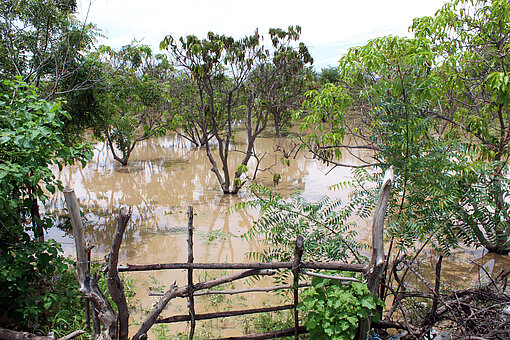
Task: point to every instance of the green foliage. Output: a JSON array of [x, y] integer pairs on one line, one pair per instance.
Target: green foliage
[[30, 143], [135, 103], [242, 169], [333, 310], [44, 44], [323, 224], [268, 322], [435, 107], [484, 214], [329, 75], [66, 312]]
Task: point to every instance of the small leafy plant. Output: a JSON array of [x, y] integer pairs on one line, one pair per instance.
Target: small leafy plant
[[333, 309]]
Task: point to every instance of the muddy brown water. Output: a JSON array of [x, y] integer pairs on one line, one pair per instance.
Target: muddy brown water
[[164, 176]]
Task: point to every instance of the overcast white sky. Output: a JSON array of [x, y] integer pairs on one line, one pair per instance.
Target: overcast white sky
[[329, 27]]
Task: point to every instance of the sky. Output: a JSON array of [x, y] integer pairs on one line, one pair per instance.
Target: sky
[[329, 27]]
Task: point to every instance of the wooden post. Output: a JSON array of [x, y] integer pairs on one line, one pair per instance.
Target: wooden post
[[88, 286], [79, 236], [298, 253], [87, 301], [115, 286], [191, 299], [376, 269]]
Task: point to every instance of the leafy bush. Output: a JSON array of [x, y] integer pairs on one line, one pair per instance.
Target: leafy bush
[[333, 309], [30, 143]]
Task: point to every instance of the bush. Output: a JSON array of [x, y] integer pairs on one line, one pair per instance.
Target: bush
[[31, 269], [334, 309]]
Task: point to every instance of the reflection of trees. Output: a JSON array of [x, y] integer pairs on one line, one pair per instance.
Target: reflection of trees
[[165, 175]]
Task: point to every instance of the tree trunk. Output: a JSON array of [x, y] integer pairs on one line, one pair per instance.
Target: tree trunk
[[276, 115], [36, 219]]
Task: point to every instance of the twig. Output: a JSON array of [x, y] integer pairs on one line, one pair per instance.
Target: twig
[[238, 291], [354, 267], [72, 335], [226, 314], [331, 277]]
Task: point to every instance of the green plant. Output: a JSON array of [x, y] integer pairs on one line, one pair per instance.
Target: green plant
[[333, 309], [30, 143], [268, 322], [66, 313], [324, 224]]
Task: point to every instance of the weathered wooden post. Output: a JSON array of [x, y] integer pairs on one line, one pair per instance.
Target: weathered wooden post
[[191, 299], [298, 253], [88, 286], [377, 264], [115, 286]]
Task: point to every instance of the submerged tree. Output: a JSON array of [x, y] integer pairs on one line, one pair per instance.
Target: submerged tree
[[236, 83], [135, 100]]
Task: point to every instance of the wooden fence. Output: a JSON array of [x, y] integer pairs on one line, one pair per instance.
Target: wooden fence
[[115, 325]]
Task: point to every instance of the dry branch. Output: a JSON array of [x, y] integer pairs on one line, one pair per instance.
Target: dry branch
[[115, 286], [238, 291], [72, 335], [377, 263], [191, 300], [270, 335], [8, 334], [298, 253], [431, 317], [88, 285], [331, 277]]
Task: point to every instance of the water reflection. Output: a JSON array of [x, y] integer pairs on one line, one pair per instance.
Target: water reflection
[[163, 177]]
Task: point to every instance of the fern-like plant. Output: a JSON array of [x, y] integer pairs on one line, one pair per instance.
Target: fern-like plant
[[324, 224]]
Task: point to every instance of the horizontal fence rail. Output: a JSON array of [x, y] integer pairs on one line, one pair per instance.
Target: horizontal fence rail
[[358, 268]]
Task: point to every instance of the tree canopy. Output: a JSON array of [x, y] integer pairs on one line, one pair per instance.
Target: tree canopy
[[435, 107], [236, 83]]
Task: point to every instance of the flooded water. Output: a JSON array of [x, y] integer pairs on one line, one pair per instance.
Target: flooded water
[[164, 176]]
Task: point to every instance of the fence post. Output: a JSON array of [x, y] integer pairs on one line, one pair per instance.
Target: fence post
[[377, 264], [191, 299], [298, 253], [115, 286], [88, 286]]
